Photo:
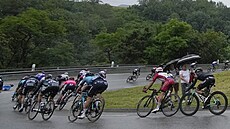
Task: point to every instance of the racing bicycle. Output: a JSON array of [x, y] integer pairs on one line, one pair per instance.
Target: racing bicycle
[[169, 105], [216, 101]]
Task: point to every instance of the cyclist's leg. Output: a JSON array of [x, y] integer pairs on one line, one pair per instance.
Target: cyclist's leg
[[92, 91], [165, 87], [62, 94]]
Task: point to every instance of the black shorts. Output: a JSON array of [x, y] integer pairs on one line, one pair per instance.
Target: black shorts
[[209, 81], [68, 87], [51, 90], [27, 89], [94, 90]]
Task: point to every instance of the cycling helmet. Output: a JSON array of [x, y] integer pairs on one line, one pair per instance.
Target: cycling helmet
[[66, 73], [159, 69], [198, 70], [49, 76], [102, 74]]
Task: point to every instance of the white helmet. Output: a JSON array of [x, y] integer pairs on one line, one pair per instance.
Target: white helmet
[[66, 73], [102, 74], [159, 69]]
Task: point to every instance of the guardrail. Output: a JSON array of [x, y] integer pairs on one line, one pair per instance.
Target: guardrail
[[15, 75], [73, 71]]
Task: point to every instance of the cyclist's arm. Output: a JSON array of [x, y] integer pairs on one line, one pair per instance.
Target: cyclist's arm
[[81, 83], [150, 84]]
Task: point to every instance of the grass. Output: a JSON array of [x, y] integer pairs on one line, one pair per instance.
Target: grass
[[128, 98]]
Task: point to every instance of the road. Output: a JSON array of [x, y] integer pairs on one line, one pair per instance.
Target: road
[[10, 119], [116, 81]]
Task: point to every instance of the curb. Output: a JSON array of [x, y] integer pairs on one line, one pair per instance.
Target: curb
[[135, 110]]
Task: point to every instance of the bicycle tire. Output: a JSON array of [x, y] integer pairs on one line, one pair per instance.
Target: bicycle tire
[[170, 105], [217, 102], [96, 109], [189, 111], [148, 103], [48, 109], [32, 107], [148, 77], [75, 110], [27, 105]]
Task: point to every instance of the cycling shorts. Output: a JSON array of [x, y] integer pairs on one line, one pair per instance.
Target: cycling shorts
[[51, 90], [68, 87], [167, 84]]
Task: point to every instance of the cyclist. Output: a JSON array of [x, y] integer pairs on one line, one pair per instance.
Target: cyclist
[[48, 86], [20, 85], [153, 70], [96, 84], [69, 85], [28, 86], [167, 81], [214, 64], [207, 80], [62, 78], [136, 72], [226, 64]]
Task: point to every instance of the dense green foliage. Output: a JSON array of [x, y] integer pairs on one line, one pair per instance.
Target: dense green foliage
[[64, 33]]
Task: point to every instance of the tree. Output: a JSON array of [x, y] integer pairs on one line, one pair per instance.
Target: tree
[[28, 31]]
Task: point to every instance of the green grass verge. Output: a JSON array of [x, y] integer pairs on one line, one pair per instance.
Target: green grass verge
[[128, 98]]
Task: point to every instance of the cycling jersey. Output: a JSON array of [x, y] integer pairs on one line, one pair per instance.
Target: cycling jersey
[[162, 76], [70, 82], [88, 80], [167, 80]]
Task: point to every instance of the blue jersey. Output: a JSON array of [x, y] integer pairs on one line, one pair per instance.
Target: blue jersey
[[88, 80], [40, 76]]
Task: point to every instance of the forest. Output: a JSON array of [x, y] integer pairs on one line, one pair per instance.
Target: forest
[[69, 33]]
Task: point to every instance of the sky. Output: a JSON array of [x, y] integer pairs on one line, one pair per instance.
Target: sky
[[131, 2]]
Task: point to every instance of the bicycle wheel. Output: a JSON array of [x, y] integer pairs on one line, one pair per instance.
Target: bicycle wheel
[[95, 110], [48, 110], [27, 105], [170, 105], [129, 79], [62, 103], [145, 106], [217, 103], [149, 76], [189, 104], [75, 111], [33, 111]]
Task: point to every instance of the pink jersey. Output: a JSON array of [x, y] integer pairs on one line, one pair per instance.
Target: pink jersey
[[70, 82]]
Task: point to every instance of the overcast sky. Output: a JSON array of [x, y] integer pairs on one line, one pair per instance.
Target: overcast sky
[[131, 2]]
